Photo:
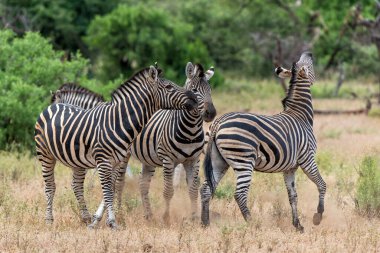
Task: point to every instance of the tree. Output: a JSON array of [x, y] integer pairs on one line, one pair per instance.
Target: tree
[[29, 69], [133, 37]]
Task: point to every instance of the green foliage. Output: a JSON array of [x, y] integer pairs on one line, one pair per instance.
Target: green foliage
[[133, 37], [29, 69], [64, 21], [324, 161], [368, 187], [225, 191], [374, 112]]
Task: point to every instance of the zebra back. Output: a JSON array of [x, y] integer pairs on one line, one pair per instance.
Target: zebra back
[[73, 94]]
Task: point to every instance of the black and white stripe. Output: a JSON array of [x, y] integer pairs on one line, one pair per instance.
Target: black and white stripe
[[73, 94], [279, 143], [175, 137], [101, 136]]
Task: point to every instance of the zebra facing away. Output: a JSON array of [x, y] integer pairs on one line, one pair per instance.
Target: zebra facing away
[[278, 143], [101, 136], [175, 137], [70, 93]]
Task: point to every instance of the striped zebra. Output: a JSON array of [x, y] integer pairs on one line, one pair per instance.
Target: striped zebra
[[73, 94], [175, 137], [279, 143], [101, 136]]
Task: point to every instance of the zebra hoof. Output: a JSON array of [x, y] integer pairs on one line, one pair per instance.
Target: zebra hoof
[[205, 222], [112, 225], [317, 218], [300, 229], [148, 217], [92, 226], [87, 219]]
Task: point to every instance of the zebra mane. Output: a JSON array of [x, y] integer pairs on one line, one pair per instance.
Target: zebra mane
[[200, 69], [76, 89], [292, 83], [134, 77]]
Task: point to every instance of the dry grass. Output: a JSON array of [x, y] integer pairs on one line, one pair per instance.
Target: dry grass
[[342, 142]]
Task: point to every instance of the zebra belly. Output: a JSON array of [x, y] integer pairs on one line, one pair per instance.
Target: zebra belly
[[271, 159]]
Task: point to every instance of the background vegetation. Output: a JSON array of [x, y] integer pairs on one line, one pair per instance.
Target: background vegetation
[[99, 43]]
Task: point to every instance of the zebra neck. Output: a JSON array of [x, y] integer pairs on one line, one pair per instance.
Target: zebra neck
[[298, 101], [190, 124], [133, 106]]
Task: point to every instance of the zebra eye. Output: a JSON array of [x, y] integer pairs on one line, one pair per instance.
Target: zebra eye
[[194, 90], [169, 87]]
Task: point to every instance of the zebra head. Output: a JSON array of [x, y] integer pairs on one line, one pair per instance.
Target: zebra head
[[170, 95], [305, 67], [302, 69], [282, 72], [198, 82]]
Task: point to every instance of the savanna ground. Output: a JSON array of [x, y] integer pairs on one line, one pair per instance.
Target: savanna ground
[[343, 141]]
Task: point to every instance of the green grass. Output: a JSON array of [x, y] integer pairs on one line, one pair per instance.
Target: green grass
[[368, 187], [325, 161]]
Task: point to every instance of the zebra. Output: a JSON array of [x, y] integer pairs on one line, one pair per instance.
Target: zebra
[[73, 94], [101, 136], [175, 137], [278, 143]]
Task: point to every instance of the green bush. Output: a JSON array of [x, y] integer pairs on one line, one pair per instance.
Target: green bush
[[29, 69], [133, 37], [325, 161], [368, 187], [225, 191]]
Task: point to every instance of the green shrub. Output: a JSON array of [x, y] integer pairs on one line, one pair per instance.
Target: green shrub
[[368, 187], [29, 69], [225, 191], [374, 112], [324, 161], [133, 37]]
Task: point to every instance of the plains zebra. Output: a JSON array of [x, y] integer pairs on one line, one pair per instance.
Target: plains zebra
[[279, 143], [101, 136], [70, 93], [73, 94], [174, 137]]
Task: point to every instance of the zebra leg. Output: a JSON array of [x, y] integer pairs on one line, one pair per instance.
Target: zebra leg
[[243, 182], [192, 170], [311, 170], [106, 172], [289, 178], [119, 185], [220, 167], [77, 186], [99, 212], [168, 189], [146, 176], [48, 175], [120, 180]]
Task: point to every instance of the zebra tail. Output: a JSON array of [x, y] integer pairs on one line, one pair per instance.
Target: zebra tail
[[207, 165]]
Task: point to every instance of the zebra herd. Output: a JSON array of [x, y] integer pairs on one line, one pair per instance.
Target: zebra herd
[[161, 125]]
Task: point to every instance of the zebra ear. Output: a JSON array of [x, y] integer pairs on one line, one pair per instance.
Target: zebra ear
[[153, 73], [209, 73], [189, 70]]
